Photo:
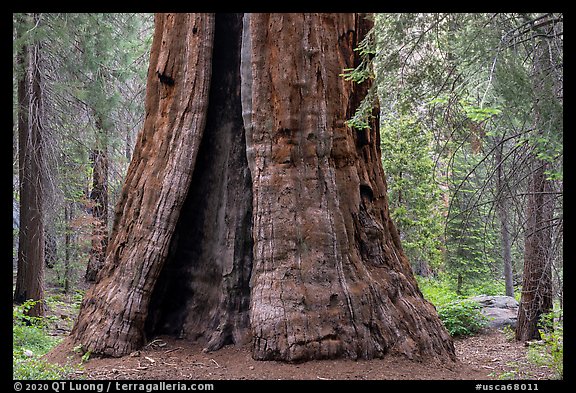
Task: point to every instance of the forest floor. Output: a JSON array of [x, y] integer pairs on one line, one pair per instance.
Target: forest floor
[[489, 355]]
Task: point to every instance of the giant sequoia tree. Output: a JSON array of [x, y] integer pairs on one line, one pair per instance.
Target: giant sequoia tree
[[251, 212]]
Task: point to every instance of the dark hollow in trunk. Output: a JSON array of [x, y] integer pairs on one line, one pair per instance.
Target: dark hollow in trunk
[[203, 290]]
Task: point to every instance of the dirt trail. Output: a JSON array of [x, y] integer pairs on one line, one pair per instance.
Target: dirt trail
[[481, 357]]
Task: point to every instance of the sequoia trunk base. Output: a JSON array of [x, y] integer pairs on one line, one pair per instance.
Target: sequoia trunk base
[[253, 212], [329, 277], [114, 310]]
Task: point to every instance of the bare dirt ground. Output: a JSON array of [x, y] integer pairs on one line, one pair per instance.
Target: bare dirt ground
[[486, 356]]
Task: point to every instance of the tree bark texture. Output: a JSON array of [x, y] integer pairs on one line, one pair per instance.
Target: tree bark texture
[[112, 315], [99, 203], [329, 277], [30, 276], [253, 212], [536, 296], [68, 252], [203, 291]]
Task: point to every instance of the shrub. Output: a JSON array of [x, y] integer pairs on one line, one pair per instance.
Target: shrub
[[549, 351], [28, 333], [30, 342], [35, 368], [436, 290], [462, 318]]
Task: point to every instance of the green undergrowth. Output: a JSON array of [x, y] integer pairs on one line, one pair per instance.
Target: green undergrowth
[[31, 340], [460, 316], [549, 350]]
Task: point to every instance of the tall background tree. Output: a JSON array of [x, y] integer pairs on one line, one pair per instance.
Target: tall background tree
[[543, 31], [93, 84], [80, 93], [31, 123]]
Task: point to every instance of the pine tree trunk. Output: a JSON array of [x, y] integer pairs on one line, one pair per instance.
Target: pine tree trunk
[[506, 254], [99, 201], [537, 280], [68, 214], [253, 212], [30, 276], [504, 231], [536, 296]]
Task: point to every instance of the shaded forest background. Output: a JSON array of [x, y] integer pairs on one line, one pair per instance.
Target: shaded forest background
[[471, 128]]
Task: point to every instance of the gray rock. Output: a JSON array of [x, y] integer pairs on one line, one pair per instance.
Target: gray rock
[[501, 310], [496, 301]]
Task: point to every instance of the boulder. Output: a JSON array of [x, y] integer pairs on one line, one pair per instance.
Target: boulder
[[501, 310]]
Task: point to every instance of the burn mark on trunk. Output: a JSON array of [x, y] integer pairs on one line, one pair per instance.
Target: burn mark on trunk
[[363, 137], [366, 193], [165, 79]]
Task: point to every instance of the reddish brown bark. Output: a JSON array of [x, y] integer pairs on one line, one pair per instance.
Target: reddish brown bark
[[329, 278], [112, 315], [203, 292], [254, 212], [30, 276], [99, 207]]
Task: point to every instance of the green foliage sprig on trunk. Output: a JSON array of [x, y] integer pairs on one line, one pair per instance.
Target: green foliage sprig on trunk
[[364, 71]]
